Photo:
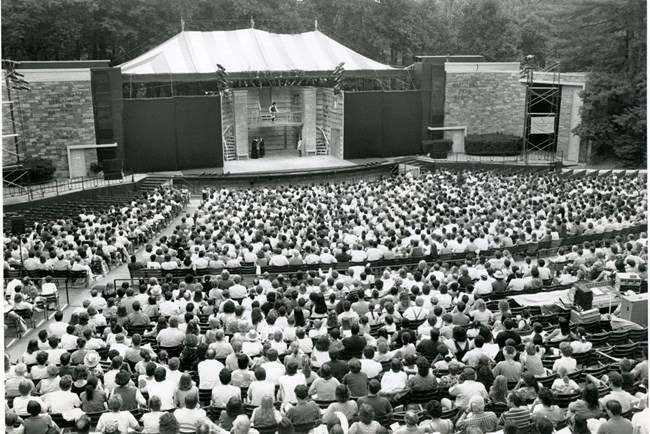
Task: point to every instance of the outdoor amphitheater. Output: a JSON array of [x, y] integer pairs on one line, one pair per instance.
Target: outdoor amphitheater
[[235, 243]]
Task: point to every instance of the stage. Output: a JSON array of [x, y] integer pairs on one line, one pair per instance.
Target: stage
[[281, 162]]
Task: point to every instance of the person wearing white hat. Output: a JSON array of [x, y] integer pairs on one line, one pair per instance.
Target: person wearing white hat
[[484, 286], [499, 285], [252, 346]]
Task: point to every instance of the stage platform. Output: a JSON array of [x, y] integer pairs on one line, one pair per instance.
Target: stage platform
[[281, 162]]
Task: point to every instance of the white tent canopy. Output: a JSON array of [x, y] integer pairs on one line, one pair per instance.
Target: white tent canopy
[[245, 52]]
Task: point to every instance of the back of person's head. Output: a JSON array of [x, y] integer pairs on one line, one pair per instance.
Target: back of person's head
[[225, 376], [160, 374], [625, 365], [155, 403], [510, 427], [83, 424], [301, 391], [24, 387], [545, 396], [342, 393], [168, 424], [468, 374], [374, 386], [566, 349], [355, 366], [615, 380], [516, 398], [115, 403], [544, 426], [33, 408]]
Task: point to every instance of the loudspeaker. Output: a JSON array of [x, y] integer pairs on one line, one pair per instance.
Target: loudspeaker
[[584, 297], [114, 165], [112, 169], [18, 225], [109, 176], [635, 308]]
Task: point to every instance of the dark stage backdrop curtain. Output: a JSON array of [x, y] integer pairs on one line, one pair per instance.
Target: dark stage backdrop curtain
[[382, 124], [173, 133]]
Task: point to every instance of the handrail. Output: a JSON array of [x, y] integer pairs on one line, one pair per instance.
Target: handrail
[[327, 141], [64, 186], [223, 139], [280, 117]]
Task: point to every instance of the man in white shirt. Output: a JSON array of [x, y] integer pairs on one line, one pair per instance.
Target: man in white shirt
[[209, 370], [220, 347], [626, 399], [163, 389], [260, 388], [97, 301], [466, 389], [69, 339], [171, 336], [237, 291], [274, 369], [58, 327], [119, 345], [471, 357], [109, 377], [369, 366], [566, 361], [395, 380], [62, 401], [278, 259], [483, 286], [48, 287], [222, 392], [417, 312], [289, 382]]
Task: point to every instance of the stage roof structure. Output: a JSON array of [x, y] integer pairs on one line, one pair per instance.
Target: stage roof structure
[[246, 53]]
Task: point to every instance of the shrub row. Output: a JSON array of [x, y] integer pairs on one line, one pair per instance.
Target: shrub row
[[493, 144]]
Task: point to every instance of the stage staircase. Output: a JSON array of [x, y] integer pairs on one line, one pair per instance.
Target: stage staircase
[[322, 142], [150, 183], [229, 148]]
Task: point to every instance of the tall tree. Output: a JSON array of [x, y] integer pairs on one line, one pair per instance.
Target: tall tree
[[608, 38], [486, 30]]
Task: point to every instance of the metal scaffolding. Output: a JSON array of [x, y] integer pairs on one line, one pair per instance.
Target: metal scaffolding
[[542, 112]]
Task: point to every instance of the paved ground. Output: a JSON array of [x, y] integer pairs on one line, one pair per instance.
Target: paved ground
[[16, 347]]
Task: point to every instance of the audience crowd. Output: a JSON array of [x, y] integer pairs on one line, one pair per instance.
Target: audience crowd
[[431, 347]]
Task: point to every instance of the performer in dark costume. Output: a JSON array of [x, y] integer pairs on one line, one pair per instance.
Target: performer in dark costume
[[254, 152], [261, 146]]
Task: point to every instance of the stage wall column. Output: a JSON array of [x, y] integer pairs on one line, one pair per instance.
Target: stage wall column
[[309, 120], [240, 97]]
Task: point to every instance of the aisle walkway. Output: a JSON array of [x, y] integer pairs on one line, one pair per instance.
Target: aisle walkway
[[16, 347]]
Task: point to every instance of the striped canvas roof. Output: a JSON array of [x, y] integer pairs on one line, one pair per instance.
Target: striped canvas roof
[[247, 50]]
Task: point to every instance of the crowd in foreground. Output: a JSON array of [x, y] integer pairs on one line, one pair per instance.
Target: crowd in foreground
[[345, 352]]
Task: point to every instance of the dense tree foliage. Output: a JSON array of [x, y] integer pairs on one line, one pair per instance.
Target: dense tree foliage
[[604, 37], [608, 39]]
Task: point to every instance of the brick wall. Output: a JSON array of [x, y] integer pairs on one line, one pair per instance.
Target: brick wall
[[485, 102], [56, 112]]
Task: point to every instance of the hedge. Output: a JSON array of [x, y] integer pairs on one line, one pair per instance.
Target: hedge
[[437, 148], [40, 169], [493, 144]]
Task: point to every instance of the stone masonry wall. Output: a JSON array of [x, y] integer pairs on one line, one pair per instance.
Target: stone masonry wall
[[485, 102], [564, 125], [57, 114]]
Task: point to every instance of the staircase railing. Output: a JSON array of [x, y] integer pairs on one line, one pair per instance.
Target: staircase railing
[[327, 141], [224, 141]]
